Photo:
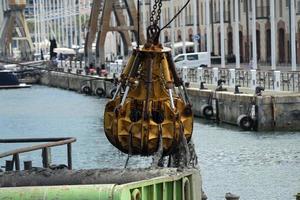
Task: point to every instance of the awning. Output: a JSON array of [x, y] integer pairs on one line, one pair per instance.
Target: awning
[[65, 51]]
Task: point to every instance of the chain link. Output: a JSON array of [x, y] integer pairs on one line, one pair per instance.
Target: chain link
[[156, 11]]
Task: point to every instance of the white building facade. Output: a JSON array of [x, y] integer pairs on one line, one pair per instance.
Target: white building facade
[[195, 17]]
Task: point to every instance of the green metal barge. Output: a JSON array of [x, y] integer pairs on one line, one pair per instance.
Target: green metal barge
[[138, 184]]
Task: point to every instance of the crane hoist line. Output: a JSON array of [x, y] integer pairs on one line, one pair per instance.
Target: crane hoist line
[[150, 108]]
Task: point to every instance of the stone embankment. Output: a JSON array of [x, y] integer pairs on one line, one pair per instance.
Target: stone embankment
[[272, 111], [78, 83]]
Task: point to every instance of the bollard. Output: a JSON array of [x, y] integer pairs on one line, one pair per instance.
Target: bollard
[[9, 165], [258, 90], [202, 87], [215, 76], [230, 196], [253, 79], [276, 81], [27, 165], [237, 90], [232, 77], [220, 85]]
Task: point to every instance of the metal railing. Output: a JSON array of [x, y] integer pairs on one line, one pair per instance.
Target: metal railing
[[265, 79], [286, 81], [242, 78], [51, 142], [290, 81]]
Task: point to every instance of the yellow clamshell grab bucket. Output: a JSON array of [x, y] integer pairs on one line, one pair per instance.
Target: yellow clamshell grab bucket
[[150, 110], [147, 109]]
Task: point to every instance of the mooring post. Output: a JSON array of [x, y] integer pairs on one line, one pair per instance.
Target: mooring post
[[230, 196], [69, 156]]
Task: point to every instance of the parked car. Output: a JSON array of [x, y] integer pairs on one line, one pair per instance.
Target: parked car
[[192, 60]]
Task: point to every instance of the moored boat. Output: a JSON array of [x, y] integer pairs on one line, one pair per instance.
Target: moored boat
[[8, 80]]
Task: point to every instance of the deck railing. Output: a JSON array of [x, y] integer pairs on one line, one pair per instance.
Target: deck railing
[[46, 153]]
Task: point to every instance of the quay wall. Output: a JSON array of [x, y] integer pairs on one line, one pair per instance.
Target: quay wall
[[75, 82], [274, 111], [277, 112]]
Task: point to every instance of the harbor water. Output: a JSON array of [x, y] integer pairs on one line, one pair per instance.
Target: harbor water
[[256, 166]]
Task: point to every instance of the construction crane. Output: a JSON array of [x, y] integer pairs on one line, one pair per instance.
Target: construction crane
[[125, 15], [14, 28], [150, 112]]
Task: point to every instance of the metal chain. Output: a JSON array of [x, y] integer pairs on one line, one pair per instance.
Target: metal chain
[[156, 11]]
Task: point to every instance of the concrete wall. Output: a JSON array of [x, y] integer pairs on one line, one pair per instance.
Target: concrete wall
[[232, 106], [279, 112], [74, 82]]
